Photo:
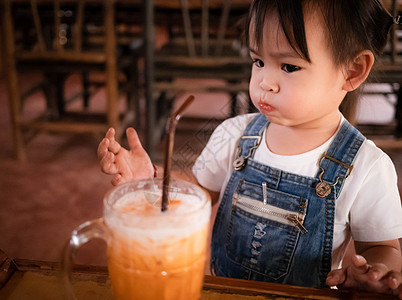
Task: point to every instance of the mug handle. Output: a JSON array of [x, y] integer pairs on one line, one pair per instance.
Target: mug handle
[[80, 236]]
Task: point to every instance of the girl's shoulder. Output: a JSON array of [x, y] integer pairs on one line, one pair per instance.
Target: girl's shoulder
[[224, 138], [372, 159], [370, 152], [223, 142], [239, 121], [369, 155], [234, 126]]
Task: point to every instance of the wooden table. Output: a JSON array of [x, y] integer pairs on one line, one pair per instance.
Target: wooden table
[[41, 280]]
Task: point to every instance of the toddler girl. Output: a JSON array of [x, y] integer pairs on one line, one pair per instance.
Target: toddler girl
[[296, 182]]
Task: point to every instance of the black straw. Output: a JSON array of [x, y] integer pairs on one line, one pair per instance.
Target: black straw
[[170, 130]]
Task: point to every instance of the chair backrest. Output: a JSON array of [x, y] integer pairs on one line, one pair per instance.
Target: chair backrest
[[206, 28], [60, 30], [205, 32]]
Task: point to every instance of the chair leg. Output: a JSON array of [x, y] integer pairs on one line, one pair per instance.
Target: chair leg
[[136, 97], [15, 113], [112, 96], [85, 89], [133, 99], [54, 92]]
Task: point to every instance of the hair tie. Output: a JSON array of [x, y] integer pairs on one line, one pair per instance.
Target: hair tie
[[397, 20]]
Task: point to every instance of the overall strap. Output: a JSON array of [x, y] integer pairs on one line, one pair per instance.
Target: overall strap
[[252, 135], [337, 163], [250, 140]]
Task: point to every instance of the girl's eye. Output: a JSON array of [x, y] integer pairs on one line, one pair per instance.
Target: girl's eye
[[290, 68], [258, 62]]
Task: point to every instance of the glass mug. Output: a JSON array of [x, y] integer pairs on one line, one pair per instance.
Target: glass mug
[[151, 254]]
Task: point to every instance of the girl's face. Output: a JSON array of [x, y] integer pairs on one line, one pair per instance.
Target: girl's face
[[288, 89]]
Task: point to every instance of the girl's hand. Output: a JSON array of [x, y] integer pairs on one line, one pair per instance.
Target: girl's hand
[[362, 276], [124, 164]]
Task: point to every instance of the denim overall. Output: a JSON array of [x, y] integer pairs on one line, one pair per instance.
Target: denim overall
[[276, 226]]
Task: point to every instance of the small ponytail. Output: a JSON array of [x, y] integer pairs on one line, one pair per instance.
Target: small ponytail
[[348, 107], [377, 23]]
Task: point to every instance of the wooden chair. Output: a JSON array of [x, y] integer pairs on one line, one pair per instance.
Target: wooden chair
[[203, 41], [58, 38]]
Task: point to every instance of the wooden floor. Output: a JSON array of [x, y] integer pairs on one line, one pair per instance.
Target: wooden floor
[[61, 185]]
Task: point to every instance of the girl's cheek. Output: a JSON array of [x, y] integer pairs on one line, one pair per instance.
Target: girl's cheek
[[255, 100], [254, 91], [253, 85]]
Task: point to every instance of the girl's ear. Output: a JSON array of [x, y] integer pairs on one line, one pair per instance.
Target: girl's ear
[[358, 70]]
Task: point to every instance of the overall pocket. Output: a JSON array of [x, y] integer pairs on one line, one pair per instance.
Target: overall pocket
[[262, 235]]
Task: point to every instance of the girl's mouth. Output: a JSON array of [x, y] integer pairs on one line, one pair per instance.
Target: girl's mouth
[[264, 107]]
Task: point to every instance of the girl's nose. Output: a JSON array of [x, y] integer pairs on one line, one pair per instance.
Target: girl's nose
[[269, 85]]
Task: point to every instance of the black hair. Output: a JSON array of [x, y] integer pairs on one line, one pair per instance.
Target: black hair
[[351, 26]]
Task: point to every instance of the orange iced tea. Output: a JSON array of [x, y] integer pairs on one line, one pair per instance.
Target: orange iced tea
[[154, 254]]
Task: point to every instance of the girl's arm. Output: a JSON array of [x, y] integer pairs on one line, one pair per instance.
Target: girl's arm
[[387, 253], [190, 177], [376, 267]]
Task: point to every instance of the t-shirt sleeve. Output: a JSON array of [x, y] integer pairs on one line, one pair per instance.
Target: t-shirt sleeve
[[215, 161], [376, 214]]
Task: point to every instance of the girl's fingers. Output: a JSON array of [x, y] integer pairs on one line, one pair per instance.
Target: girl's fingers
[[133, 140], [336, 277], [113, 145], [108, 144], [117, 179], [107, 164], [103, 148], [378, 271], [110, 134], [360, 264], [394, 280]]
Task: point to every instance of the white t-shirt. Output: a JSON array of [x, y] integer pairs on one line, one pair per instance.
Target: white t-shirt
[[368, 208]]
